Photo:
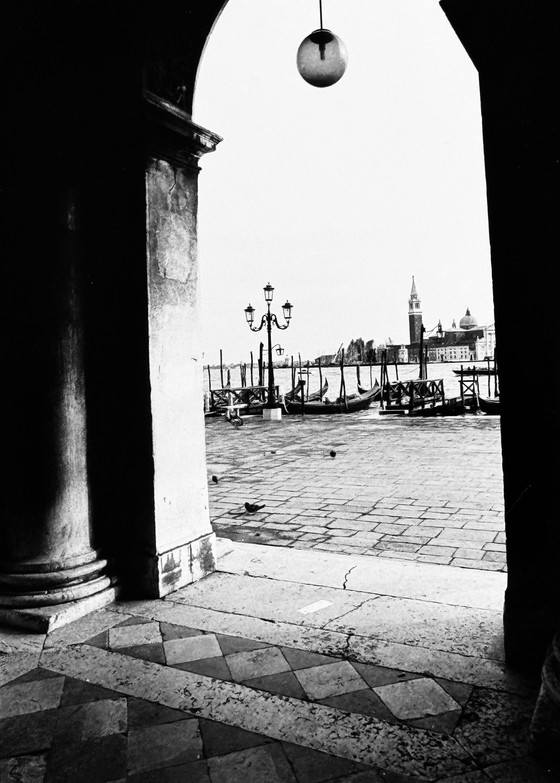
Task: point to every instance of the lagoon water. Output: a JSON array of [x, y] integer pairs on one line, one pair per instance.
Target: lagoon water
[[436, 371]]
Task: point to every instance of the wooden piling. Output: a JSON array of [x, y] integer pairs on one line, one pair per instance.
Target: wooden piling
[[221, 369], [342, 394]]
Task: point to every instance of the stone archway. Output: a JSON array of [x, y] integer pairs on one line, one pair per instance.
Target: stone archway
[[100, 321]]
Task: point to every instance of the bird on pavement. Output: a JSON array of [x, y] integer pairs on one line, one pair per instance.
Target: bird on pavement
[[215, 479], [252, 507], [333, 454]]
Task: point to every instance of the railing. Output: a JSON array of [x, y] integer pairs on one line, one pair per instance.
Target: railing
[[239, 397], [409, 395]]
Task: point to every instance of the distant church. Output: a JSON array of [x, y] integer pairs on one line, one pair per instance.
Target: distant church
[[468, 342]]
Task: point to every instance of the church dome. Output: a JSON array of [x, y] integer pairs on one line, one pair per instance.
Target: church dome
[[468, 321]]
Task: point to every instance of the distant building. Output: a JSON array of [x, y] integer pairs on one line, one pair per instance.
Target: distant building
[[468, 342]]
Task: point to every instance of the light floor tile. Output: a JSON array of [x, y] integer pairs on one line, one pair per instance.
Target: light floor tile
[[416, 698], [256, 663], [12, 666], [133, 635], [191, 648], [331, 679], [35, 696]]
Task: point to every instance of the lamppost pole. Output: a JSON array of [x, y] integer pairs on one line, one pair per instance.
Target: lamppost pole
[[267, 320], [271, 400]]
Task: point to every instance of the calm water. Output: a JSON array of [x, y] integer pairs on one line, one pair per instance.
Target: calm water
[[282, 377]]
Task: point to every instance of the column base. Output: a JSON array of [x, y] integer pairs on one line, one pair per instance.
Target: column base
[[168, 571], [272, 414], [44, 619]]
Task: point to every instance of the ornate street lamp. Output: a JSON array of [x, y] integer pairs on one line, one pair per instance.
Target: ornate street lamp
[[322, 56], [267, 320]]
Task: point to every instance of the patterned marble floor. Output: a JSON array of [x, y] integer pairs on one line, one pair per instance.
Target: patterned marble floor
[[176, 690]]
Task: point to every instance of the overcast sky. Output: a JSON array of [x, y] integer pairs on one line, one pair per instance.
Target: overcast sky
[[337, 196]]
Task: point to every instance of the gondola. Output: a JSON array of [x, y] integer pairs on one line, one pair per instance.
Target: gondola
[[358, 402], [375, 388], [295, 394], [489, 405]]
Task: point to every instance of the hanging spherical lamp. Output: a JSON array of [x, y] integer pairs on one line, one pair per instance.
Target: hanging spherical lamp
[[322, 56]]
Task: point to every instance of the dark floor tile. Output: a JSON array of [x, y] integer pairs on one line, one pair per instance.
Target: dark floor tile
[[284, 683], [170, 631], [364, 702], [233, 644], [145, 713], [458, 690], [100, 718], [79, 692], [27, 733], [445, 723], [35, 675], [92, 761], [197, 772], [146, 652], [220, 739], [164, 745], [23, 769], [381, 675], [261, 764], [211, 667], [301, 659], [314, 766], [100, 640]]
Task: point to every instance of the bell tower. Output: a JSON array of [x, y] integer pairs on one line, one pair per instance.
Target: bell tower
[[414, 314]]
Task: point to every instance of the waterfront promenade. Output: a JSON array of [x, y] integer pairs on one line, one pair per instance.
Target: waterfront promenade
[[428, 490]]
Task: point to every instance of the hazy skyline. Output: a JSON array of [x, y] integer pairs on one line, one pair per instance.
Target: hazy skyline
[[338, 196]]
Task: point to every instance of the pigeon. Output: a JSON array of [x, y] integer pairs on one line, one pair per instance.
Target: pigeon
[[333, 454], [252, 507], [215, 479]]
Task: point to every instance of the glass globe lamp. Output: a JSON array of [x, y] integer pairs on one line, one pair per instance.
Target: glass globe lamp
[[322, 58]]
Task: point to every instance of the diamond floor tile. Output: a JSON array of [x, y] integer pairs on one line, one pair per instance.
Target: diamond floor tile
[[256, 663], [416, 698], [191, 648], [332, 679]]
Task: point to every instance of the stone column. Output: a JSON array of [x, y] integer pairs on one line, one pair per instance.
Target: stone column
[[49, 572]]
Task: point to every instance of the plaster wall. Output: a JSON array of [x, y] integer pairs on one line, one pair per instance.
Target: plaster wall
[[180, 482]]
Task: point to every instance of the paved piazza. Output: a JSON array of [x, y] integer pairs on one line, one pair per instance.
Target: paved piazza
[[428, 490]]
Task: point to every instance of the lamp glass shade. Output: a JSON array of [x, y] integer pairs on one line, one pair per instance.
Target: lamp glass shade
[[322, 58], [268, 292], [287, 310], [250, 314]]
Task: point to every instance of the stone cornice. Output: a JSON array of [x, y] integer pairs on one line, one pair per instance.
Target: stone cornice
[[171, 134]]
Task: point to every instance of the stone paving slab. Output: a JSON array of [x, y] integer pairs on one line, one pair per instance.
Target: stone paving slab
[[426, 490]]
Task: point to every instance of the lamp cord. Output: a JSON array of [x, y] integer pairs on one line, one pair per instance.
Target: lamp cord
[[321, 14]]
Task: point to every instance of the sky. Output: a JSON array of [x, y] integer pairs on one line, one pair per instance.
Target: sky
[[337, 196]]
